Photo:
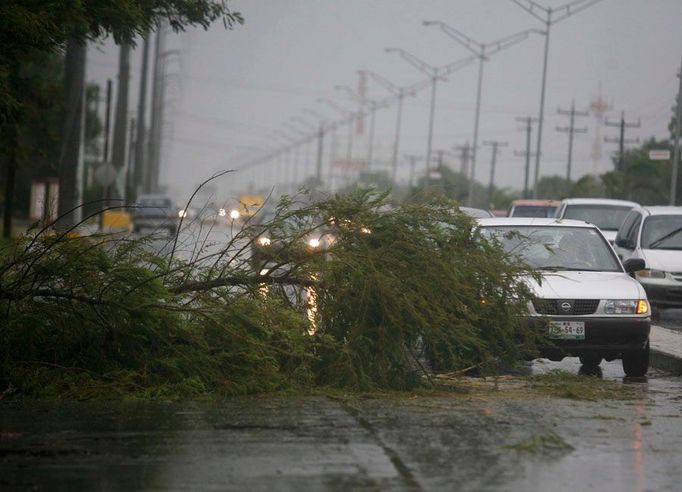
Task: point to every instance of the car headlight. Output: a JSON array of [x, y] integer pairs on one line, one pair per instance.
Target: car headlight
[[651, 273], [314, 243], [182, 213], [234, 214], [264, 241], [636, 306]]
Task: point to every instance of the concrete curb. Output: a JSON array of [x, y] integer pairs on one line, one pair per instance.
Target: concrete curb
[[666, 350]]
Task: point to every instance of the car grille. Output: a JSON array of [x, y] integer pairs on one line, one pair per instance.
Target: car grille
[[580, 307]]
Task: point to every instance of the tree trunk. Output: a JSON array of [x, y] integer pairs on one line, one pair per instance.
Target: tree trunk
[[74, 88]]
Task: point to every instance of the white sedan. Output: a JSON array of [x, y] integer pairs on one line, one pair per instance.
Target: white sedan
[[587, 301]]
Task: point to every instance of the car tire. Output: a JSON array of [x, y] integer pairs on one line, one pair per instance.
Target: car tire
[[636, 363], [590, 360]]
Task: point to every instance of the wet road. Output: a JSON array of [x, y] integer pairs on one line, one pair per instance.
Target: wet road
[[442, 441]]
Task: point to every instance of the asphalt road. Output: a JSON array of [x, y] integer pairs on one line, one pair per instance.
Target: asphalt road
[[500, 439]]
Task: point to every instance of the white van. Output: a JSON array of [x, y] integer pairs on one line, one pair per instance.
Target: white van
[[654, 234], [606, 213]]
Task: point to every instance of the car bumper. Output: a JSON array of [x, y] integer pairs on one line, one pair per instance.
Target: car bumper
[[606, 337], [664, 295]]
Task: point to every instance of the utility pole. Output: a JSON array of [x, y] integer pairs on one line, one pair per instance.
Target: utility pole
[[464, 156], [130, 166], [118, 150], [548, 16], [69, 212], [413, 161], [528, 120], [141, 164], [482, 51], [495, 144], [621, 140], [570, 129], [676, 149], [400, 93], [156, 127]]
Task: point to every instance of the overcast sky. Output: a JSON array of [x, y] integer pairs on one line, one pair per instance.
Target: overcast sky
[[228, 91]]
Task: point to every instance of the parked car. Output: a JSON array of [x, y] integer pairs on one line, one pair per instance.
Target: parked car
[[605, 213], [155, 212], [654, 234], [587, 302], [533, 208]]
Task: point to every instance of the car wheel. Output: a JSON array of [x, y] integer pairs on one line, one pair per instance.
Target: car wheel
[[590, 360], [636, 363]]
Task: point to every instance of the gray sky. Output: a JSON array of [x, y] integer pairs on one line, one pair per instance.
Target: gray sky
[[231, 89]]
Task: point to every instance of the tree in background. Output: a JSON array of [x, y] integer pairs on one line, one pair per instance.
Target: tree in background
[[33, 27]]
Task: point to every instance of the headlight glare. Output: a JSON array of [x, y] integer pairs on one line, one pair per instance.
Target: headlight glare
[[642, 306]]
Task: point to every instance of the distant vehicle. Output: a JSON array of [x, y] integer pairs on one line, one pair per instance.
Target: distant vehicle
[[605, 213], [654, 234], [533, 208], [155, 212], [476, 213], [587, 302]]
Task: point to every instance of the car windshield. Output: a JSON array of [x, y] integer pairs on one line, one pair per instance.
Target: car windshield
[[606, 217], [662, 232], [556, 248], [533, 211]]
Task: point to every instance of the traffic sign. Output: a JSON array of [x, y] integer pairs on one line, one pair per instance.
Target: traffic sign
[[659, 155]]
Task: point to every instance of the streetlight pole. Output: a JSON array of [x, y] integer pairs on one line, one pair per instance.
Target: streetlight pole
[[435, 73], [400, 93], [676, 148], [545, 15], [481, 51], [351, 121]]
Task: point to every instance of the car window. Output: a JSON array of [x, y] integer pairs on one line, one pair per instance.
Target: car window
[[662, 232], [533, 211], [624, 230], [634, 230], [556, 248], [155, 202], [606, 217]]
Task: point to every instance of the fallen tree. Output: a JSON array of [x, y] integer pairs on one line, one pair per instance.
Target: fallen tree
[[397, 291]]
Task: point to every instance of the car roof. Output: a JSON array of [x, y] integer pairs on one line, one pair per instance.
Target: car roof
[[476, 212], [598, 201], [534, 221], [535, 203], [661, 210]]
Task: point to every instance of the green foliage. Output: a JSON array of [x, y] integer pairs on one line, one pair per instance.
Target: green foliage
[[399, 288], [412, 279]]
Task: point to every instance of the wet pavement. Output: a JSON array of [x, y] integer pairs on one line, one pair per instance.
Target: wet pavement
[[442, 441]]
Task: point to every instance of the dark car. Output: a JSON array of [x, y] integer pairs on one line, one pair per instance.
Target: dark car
[[154, 212]]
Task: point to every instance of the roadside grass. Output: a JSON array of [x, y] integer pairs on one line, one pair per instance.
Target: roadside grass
[[563, 384]]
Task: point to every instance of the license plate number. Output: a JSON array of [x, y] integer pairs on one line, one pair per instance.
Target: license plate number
[[567, 330]]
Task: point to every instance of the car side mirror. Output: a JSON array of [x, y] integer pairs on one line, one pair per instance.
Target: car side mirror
[[634, 265], [624, 243]]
